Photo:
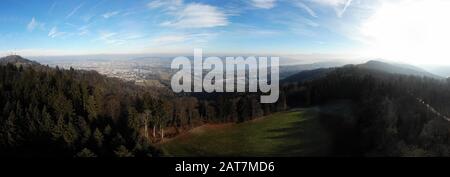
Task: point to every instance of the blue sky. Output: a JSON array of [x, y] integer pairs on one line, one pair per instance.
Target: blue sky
[[288, 27]]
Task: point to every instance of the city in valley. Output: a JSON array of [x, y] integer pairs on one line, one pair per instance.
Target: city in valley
[[145, 71]]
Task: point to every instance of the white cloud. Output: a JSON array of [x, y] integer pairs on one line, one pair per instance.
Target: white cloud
[[32, 25], [110, 14], [52, 32], [191, 15], [306, 8], [197, 15], [264, 4], [83, 31], [181, 16], [55, 33]]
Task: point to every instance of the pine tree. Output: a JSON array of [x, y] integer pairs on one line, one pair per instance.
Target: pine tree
[[46, 123], [122, 151], [58, 129], [118, 140], [8, 131], [133, 122], [98, 138], [107, 131], [86, 153], [91, 108]]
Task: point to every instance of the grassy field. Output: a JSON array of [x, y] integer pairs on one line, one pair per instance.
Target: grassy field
[[293, 133]]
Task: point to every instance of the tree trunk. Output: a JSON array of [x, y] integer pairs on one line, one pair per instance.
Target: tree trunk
[[154, 131], [162, 132], [145, 129]]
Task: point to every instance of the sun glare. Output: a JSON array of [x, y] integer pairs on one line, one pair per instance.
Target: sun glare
[[411, 31]]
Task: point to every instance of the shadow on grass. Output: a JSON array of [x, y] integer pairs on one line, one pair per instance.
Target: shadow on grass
[[303, 137]]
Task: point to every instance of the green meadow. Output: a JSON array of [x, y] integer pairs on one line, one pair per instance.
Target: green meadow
[[294, 133]]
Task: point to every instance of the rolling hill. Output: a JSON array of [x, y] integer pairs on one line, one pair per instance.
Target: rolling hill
[[289, 70], [373, 65], [394, 68], [18, 61]]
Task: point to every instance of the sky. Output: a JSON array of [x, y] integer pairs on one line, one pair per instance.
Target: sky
[[410, 31]]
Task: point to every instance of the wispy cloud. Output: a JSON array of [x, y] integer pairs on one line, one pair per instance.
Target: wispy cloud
[[347, 4], [180, 39], [191, 15], [50, 11], [295, 23], [70, 25], [75, 10], [83, 30], [54, 32], [169, 39], [165, 4], [110, 14], [340, 6], [32, 24], [76, 30], [118, 38], [306, 8], [86, 18], [110, 38], [251, 30], [264, 4], [197, 15]]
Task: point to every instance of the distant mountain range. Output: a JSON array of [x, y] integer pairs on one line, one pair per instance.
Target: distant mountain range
[[392, 68], [440, 70], [289, 70]]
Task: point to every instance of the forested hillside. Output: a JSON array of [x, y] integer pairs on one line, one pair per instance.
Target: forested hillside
[[56, 112], [397, 115], [67, 112]]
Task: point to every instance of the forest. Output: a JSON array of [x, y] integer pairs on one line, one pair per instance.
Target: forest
[[74, 113], [71, 113], [396, 115]]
